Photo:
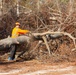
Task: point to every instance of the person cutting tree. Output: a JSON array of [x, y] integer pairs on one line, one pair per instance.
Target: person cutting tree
[[15, 33]]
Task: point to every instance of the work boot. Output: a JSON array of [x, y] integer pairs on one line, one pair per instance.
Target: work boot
[[11, 60]]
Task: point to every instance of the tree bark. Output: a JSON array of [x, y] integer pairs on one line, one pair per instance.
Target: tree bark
[[5, 43]]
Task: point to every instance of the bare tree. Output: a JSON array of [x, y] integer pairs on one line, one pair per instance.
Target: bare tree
[[18, 8], [1, 6]]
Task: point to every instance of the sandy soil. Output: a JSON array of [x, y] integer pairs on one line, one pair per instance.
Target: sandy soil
[[36, 67]]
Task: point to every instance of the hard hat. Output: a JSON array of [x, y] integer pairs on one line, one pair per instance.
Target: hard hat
[[17, 23]]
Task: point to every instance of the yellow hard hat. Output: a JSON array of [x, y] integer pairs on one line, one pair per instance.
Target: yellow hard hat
[[17, 23]]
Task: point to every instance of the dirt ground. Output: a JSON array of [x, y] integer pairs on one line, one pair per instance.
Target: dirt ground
[[36, 67]]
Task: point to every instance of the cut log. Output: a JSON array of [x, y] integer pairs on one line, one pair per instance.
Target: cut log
[[5, 43]]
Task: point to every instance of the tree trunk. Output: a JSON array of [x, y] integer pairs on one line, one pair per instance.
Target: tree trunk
[[4, 43]]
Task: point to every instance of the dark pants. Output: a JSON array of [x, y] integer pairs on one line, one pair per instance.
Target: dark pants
[[13, 49]]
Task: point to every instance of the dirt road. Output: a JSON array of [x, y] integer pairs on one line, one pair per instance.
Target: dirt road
[[35, 67]]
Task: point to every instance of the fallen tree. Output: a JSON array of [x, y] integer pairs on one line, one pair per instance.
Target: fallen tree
[[5, 43]]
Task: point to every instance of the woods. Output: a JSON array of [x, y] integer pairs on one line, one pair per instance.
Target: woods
[[37, 37], [44, 18]]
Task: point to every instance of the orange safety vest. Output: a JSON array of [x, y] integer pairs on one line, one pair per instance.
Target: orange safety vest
[[16, 31]]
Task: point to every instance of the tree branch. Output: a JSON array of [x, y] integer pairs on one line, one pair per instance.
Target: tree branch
[[56, 35]]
